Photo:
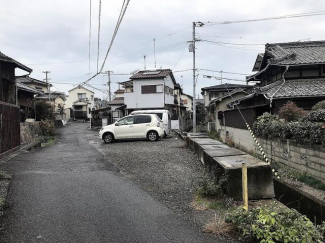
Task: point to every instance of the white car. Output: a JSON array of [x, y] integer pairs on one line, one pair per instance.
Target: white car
[[134, 126]]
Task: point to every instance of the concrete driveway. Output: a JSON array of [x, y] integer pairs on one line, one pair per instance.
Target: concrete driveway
[[69, 192]]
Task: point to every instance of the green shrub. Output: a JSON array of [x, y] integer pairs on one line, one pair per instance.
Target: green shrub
[[307, 132], [319, 105], [266, 224], [47, 127], [291, 112], [316, 116], [43, 111], [209, 188]]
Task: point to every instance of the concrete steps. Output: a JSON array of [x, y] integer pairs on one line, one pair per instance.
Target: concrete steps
[[226, 164]]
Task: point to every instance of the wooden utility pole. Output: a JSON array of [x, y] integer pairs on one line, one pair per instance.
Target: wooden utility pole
[[109, 84], [48, 83]]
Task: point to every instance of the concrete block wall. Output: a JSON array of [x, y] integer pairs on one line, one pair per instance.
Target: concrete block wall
[[29, 131], [304, 158]]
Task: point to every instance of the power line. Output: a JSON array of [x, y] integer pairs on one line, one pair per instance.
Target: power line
[[267, 19], [236, 44], [123, 10], [89, 34], [125, 5], [232, 47], [99, 14], [179, 57], [209, 70]]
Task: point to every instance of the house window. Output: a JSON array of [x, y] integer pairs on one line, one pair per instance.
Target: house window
[[78, 108], [150, 89], [81, 95], [92, 97], [38, 88], [185, 102]]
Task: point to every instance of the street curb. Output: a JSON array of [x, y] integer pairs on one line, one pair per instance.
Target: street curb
[[22, 149]]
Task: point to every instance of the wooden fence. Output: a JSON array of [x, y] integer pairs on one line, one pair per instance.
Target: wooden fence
[[9, 127]]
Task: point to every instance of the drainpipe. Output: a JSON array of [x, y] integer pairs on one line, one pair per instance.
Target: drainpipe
[[271, 98]]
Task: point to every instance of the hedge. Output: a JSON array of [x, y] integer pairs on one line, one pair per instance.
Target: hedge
[[310, 130]]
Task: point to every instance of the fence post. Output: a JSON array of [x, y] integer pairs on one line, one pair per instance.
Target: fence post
[[244, 184]]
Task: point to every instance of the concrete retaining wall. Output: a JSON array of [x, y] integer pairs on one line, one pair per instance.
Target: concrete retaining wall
[[29, 131], [308, 159]]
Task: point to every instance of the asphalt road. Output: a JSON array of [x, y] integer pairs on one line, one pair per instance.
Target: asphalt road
[[68, 192]]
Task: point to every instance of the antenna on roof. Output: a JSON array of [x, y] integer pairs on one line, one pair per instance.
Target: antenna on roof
[[144, 59], [154, 50]]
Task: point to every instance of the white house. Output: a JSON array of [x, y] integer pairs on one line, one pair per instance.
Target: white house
[[187, 102], [80, 102], [149, 89]]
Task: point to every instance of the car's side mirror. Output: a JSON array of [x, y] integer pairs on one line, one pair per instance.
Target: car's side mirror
[[116, 124]]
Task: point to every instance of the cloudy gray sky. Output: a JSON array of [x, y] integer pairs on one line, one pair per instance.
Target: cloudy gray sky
[[53, 35]]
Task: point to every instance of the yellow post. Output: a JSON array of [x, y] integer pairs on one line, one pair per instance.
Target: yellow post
[[244, 182]]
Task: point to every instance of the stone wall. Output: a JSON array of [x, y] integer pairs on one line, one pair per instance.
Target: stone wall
[[304, 158], [29, 132], [308, 159]]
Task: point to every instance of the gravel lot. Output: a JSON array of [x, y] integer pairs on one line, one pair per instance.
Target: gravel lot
[[166, 169]]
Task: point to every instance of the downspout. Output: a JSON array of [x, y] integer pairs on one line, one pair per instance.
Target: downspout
[[271, 98]]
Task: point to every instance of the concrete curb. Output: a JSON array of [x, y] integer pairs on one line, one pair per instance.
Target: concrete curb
[[23, 148]]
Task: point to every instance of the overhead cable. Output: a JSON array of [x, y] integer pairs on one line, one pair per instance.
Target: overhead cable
[[267, 19]]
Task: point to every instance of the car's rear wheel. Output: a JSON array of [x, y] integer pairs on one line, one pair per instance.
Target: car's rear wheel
[[153, 136], [108, 137]]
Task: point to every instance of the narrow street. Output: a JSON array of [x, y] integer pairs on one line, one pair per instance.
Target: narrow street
[[69, 192]]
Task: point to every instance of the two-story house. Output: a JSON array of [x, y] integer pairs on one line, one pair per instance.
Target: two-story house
[[79, 103], [293, 71], [149, 89]]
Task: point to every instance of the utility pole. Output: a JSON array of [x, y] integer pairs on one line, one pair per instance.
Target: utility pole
[[221, 77], [48, 83], [195, 24], [109, 84]]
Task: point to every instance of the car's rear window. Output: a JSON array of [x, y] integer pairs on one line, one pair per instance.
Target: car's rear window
[[142, 119]]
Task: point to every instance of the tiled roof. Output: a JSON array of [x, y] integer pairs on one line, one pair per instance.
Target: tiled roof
[[294, 88], [120, 91], [149, 74], [5, 58], [27, 80], [225, 86], [24, 87], [235, 91], [46, 96], [293, 53], [117, 101]]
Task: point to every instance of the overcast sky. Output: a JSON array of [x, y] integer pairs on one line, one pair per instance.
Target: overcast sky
[[53, 35]]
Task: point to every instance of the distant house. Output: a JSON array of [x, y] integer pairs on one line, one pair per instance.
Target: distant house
[[217, 91], [9, 108], [117, 105], [187, 102], [149, 89], [79, 103], [34, 83], [55, 99]]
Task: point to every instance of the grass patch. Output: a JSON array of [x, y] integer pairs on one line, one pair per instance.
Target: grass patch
[[214, 135], [48, 141], [219, 227]]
